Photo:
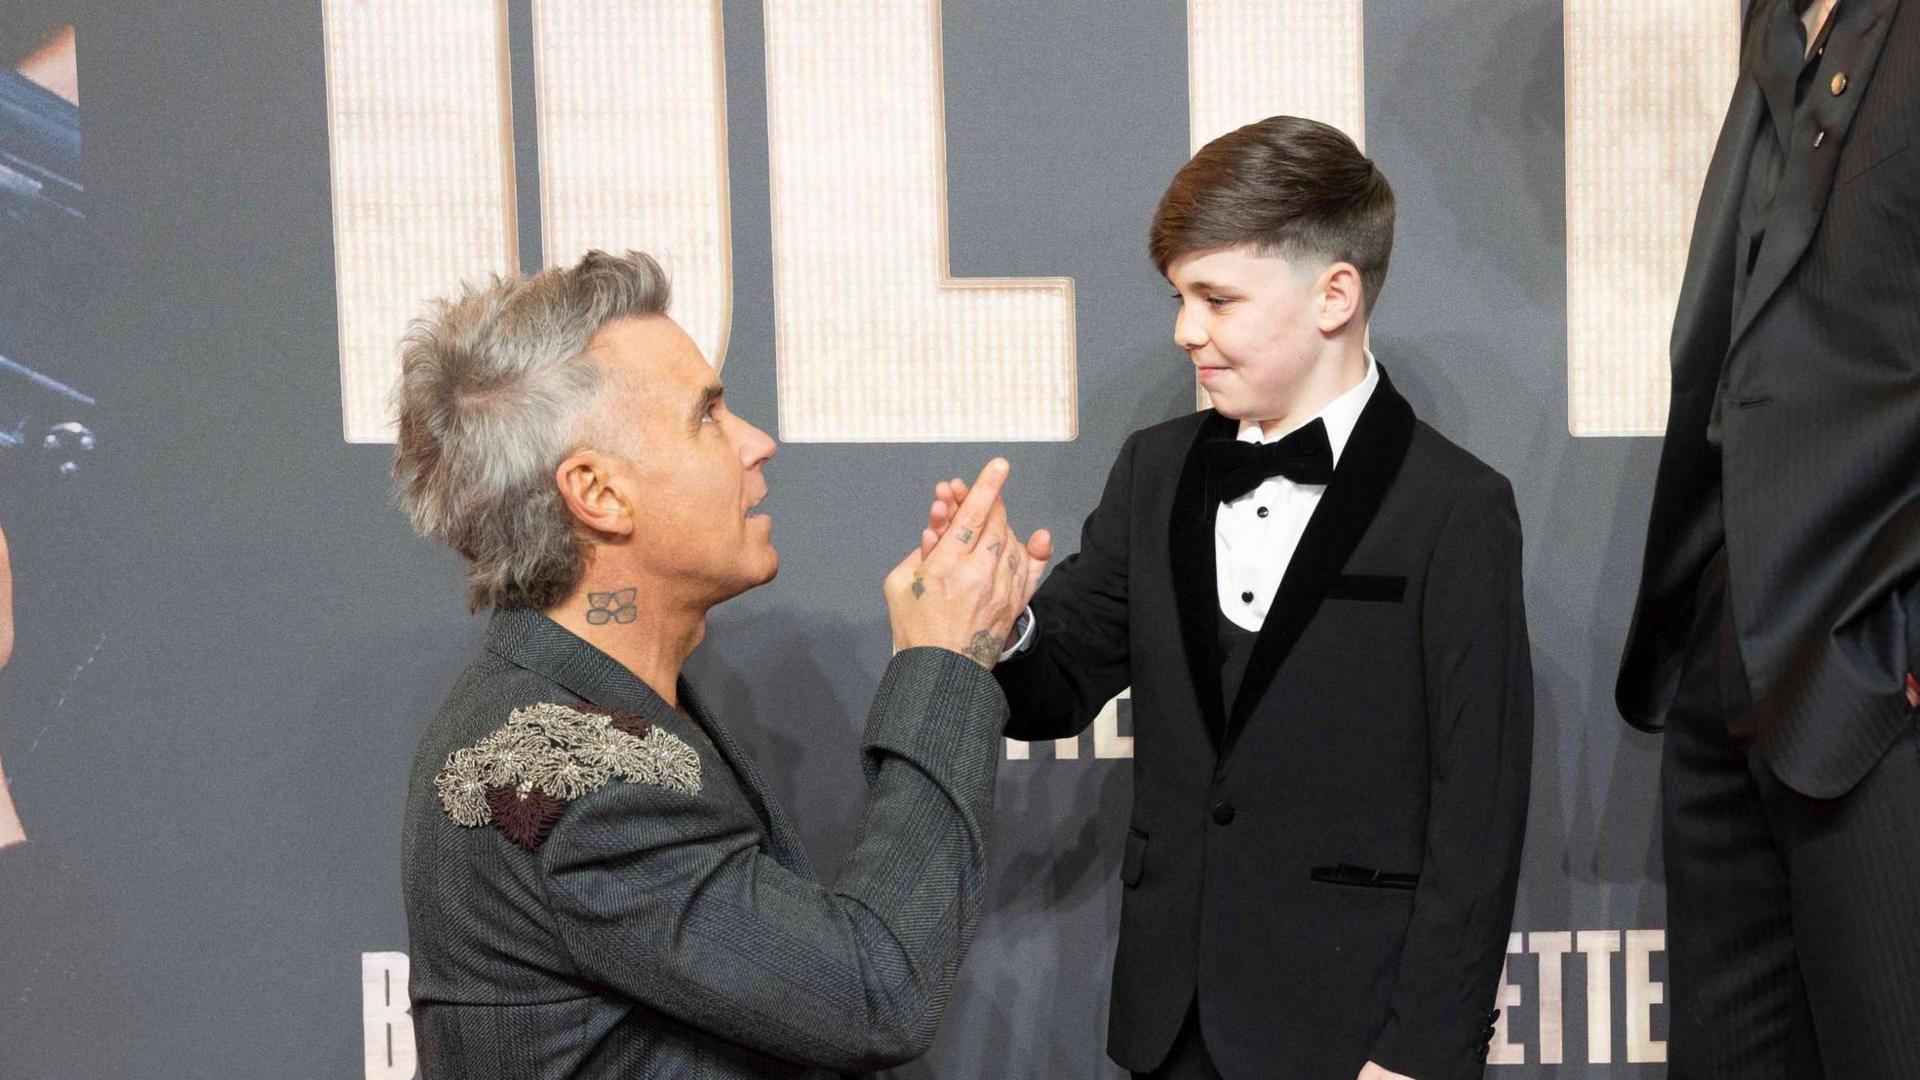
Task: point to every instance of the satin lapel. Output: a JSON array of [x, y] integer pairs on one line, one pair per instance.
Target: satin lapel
[[1704, 315], [1858, 35], [1372, 459], [1195, 588], [781, 835]]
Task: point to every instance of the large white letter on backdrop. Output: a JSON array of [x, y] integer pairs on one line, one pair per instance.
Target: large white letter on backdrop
[[1251, 59], [1108, 743], [385, 1018], [1647, 85], [422, 156], [633, 145], [876, 342]]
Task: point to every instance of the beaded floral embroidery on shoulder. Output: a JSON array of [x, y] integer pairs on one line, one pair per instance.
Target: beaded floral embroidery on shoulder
[[520, 777]]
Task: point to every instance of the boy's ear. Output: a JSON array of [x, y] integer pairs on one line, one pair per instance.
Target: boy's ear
[[592, 493], [1340, 297]]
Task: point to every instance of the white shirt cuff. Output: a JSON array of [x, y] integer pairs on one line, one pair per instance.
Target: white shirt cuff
[[1024, 624]]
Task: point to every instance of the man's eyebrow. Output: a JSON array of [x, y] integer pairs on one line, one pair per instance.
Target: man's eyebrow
[[709, 397]]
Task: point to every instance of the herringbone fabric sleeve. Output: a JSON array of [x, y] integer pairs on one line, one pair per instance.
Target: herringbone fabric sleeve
[[667, 897]]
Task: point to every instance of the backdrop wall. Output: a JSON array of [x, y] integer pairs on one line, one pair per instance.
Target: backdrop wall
[[228, 641]]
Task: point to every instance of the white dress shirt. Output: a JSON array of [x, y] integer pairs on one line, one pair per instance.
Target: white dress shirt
[[1255, 535]]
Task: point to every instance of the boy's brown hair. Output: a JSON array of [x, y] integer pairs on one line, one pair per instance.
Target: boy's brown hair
[[1283, 186]]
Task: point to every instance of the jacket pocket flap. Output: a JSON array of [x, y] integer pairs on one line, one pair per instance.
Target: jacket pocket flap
[[1362, 876], [1384, 588], [1875, 155]]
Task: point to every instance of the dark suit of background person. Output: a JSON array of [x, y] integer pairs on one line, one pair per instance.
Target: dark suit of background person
[[1779, 608], [1328, 862], [661, 933]]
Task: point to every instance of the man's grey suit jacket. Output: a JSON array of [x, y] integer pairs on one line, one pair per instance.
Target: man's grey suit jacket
[[1813, 492], [659, 932]]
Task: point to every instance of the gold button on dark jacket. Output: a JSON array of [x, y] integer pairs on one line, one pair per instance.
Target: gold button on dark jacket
[[1839, 84]]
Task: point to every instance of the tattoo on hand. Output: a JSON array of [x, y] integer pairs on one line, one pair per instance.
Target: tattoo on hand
[[997, 546], [966, 536], [985, 649], [919, 588], [614, 606]]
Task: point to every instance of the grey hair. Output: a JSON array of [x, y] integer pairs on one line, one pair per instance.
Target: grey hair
[[495, 391]]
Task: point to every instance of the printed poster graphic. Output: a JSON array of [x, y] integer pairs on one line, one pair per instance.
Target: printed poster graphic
[[44, 413], [62, 1004]]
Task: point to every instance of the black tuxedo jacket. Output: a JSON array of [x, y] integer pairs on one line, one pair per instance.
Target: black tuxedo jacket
[[1332, 866], [1815, 489]]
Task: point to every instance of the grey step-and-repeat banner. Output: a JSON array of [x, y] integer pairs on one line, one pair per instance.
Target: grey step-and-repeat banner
[[914, 230]]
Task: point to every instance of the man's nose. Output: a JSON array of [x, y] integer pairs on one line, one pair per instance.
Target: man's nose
[[756, 446]]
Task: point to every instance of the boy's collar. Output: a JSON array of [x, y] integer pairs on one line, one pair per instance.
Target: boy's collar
[[1340, 414]]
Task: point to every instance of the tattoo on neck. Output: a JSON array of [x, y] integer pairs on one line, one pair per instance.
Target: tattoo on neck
[[616, 606], [984, 649], [919, 588]]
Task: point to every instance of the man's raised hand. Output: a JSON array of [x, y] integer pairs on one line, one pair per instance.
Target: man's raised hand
[[948, 495], [964, 590]]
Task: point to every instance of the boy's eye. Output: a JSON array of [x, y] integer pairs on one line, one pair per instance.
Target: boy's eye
[[1217, 302]]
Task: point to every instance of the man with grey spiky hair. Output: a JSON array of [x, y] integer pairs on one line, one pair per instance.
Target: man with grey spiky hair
[[598, 882]]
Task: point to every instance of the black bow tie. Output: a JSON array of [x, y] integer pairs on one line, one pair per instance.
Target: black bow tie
[[1235, 468]]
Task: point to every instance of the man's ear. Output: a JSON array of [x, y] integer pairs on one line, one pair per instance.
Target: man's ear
[[587, 486], [1340, 297]]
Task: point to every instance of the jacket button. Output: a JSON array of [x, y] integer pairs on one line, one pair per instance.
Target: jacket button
[[1223, 812]]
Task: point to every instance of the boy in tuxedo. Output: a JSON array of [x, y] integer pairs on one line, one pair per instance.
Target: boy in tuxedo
[[1316, 599]]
